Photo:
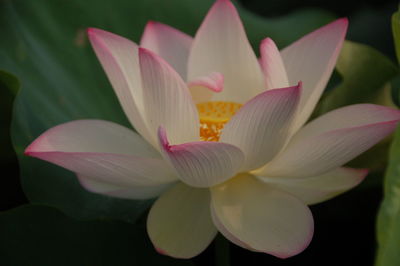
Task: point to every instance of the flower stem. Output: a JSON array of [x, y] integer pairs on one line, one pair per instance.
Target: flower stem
[[222, 256]]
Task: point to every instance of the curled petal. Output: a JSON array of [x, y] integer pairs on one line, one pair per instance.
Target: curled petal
[[203, 88]]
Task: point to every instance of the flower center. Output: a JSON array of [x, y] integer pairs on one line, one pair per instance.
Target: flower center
[[213, 117]]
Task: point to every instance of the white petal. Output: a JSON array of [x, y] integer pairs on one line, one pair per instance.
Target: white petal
[[92, 136], [272, 65], [312, 60], [167, 100], [102, 150], [231, 237], [260, 128], [120, 61], [264, 218], [179, 223], [123, 192], [319, 188], [169, 43], [221, 45], [203, 88], [203, 163], [332, 140]]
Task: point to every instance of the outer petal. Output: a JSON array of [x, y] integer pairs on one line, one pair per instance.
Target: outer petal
[[203, 88], [260, 128], [272, 65], [263, 217], [103, 150], [202, 164], [119, 58], [179, 223], [332, 140], [317, 189], [124, 192], [221, 45], [169, 43], [311, 60], [92, 136], [231, 237], [167, 100]]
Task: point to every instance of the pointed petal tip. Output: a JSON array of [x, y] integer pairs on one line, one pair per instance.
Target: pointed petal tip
[[225, 4], [342, 23], [93, 32], [267, 41], [362, 174]]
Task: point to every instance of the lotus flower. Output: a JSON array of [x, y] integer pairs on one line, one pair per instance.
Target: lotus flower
[[222, 138]]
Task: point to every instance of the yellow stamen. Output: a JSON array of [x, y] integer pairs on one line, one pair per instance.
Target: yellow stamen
[[213, 117]]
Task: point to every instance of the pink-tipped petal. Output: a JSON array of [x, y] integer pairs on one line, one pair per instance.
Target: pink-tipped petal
[[272, 65], [221, 45], [169, 43], [92, 184], [312, 60], [92, 136], [262, 217], [332, 140], [316, 189], [202, 164], [107, 152], [261, 127], [179, 223], [167, 99], [203, 88], [119, 58]]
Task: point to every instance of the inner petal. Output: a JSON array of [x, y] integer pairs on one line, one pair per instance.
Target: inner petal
[[213, 117]]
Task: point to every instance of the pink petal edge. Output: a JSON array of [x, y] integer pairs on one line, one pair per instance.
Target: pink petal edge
[[214, 82]]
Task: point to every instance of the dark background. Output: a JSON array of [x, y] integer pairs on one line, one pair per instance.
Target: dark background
[[342, 236]]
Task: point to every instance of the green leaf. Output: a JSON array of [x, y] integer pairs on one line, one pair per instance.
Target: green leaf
[[388, 228], [395, 84], [40, 235], [44, 43], [396, 33], [9, 86], [364, 71]]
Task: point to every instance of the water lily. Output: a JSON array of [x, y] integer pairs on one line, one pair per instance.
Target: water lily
[[222, 136]]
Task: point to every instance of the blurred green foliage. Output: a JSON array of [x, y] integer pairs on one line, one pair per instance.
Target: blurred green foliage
[[40, 235], [388, 226]]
